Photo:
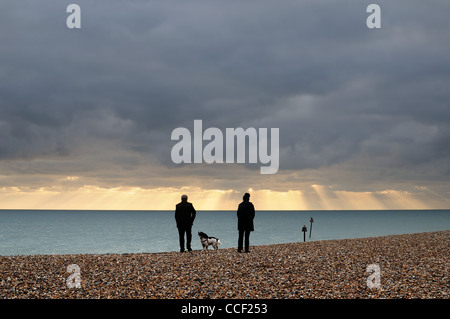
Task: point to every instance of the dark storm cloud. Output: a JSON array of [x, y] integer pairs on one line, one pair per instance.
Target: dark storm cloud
[[113, 91]]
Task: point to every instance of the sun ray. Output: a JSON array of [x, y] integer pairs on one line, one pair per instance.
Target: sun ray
[[137, 198]]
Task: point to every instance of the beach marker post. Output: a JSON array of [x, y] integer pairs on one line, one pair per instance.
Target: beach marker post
[[304, 230], [310, 228]]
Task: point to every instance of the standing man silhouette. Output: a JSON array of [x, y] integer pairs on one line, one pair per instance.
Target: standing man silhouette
[[184, 216], [245, 215]]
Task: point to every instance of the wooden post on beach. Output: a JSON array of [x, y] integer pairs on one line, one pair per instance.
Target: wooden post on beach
[[304, 230], [310, 228]]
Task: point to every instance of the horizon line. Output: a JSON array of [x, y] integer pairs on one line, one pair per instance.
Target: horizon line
[[222, 210]]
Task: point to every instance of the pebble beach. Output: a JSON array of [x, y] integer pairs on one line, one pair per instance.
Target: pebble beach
[[410, 266]]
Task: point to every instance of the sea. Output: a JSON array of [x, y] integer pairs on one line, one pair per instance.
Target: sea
[[46, 232]]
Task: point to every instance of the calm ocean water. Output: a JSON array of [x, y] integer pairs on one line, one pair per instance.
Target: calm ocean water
[[25, 232]]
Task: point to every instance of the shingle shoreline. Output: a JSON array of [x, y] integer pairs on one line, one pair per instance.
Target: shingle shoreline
[[410, 266]]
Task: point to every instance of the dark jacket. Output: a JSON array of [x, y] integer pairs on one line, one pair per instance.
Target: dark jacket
[[184, 214], [245, 214]]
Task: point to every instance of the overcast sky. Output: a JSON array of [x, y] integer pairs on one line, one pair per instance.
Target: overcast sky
[[364, 114]]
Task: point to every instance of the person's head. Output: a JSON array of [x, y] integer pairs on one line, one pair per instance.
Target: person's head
[[184, 198], [246, 197]]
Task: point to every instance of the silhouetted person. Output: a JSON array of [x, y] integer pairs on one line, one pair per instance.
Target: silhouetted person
[[304, 230], [184, 216], [245, 214]]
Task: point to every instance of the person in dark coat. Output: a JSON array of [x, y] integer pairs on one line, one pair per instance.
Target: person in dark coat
[[184, 216], [245, 215]]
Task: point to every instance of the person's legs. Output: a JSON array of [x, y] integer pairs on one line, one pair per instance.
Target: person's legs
[[181, 232], [247, 240], [240, 240], [188, 238]]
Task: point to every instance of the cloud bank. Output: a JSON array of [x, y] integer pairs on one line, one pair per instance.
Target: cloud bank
[[358, 110]]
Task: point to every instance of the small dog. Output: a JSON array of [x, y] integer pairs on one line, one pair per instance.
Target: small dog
[[206, 241]]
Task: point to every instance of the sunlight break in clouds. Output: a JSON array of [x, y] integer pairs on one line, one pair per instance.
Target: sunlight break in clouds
[[135, 198], [86, 114]]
